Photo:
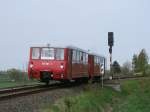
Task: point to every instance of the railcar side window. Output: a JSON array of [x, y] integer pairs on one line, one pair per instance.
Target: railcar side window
[[59, 54], [74, 56], [98, 60], [78, 56], [47, 53], [95, 60], [35, 53], [84, 58], [81, 57], [101, 60]]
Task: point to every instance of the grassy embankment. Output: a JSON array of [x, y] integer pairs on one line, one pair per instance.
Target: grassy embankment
[[134, 97]]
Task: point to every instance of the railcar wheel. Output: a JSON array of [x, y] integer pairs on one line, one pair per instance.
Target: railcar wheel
[[86, 80], [65, 81]]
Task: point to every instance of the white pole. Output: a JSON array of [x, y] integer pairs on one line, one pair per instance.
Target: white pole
[[102, 81]]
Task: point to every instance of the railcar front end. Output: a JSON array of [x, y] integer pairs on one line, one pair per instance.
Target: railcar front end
[[47, 63]]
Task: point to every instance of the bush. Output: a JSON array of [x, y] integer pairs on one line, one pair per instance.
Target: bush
[[16, 75]]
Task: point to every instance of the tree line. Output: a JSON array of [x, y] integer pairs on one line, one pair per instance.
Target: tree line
[[138, 66], [13, 75]]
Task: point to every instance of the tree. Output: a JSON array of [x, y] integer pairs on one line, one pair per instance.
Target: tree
[[116, 67], [135, 63], [126, 68], [148, 70], [15, 74], [143, 61], [140, 62]]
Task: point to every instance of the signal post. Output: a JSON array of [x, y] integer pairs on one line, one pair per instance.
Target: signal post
[[110, 44]]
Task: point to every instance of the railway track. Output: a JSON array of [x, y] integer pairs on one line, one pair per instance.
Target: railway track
[[17, 88], [116, 80], [23, 91], [127, 77], [14, 92], [6, 94]]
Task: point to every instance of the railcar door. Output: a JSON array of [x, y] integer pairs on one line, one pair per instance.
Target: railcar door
[[70, 64], [91, 65]]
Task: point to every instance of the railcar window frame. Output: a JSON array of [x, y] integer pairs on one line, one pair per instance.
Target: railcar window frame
[[48, 51], [55, 52], [39, 53], [87, 57], [84, 58], [78, 56], [81, 57], [60, 49], [74, 56], [95, 60], [102, 61], [98, 62]]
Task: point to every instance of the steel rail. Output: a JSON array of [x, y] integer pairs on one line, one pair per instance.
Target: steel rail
[[16, 89], [18, 92], [32, 90]]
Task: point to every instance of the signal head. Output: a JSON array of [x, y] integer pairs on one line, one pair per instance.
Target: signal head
[[110, 39]]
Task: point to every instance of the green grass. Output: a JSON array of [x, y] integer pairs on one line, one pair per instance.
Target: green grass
[[6, 81], [14, 84], [8, 84], [134, 97]]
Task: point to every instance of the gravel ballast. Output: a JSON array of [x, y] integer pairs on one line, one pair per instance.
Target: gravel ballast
[[36, 102]]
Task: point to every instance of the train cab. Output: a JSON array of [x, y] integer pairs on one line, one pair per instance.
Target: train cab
[[47, 63]]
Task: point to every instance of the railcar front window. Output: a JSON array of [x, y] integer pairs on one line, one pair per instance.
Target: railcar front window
[[59, 54], [35, 53], [47, 53]]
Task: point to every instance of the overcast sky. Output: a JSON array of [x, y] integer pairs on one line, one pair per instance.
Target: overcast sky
[[81, 23]]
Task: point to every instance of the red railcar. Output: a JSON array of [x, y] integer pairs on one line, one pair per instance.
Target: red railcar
[[69, 63], [96, 65]]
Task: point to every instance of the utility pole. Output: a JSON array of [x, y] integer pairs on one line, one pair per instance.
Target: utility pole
[[110, 44]]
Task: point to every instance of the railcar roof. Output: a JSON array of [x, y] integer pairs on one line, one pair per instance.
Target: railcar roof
[[70, 47], [76, 48], [95, 54]]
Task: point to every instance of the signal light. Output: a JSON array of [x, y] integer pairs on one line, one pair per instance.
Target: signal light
[[110, 39]]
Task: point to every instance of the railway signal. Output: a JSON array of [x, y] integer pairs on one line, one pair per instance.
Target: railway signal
[[110, 44], [110, 39]]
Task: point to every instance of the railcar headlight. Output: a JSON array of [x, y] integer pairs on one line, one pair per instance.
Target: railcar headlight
[[31, 65], [61, 66]]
